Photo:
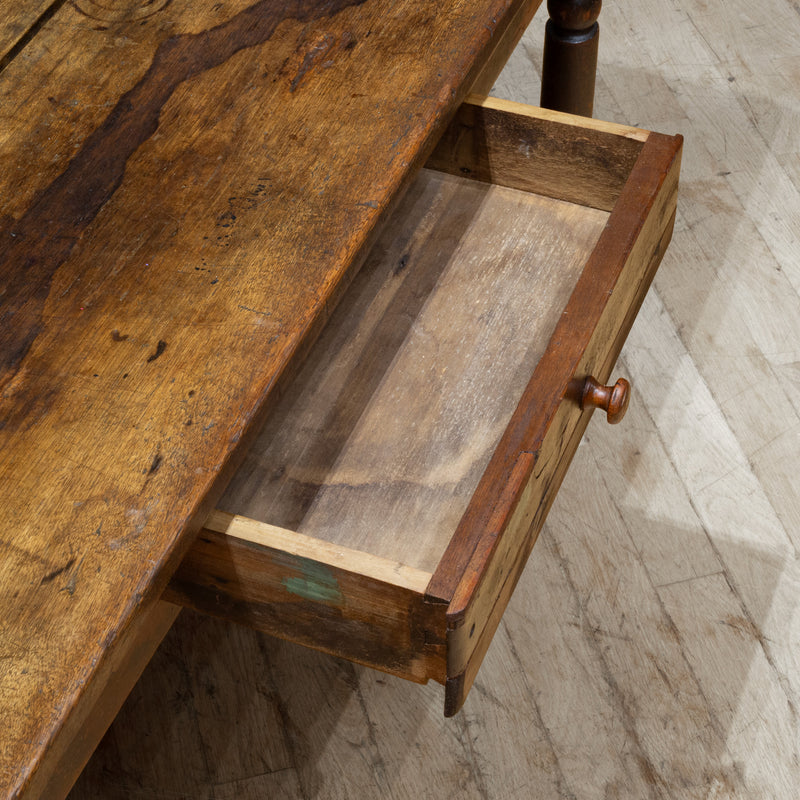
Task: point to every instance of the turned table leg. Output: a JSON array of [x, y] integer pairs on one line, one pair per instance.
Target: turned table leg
[[570, 56]]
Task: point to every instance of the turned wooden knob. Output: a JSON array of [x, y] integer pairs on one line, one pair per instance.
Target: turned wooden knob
[[612, 399]]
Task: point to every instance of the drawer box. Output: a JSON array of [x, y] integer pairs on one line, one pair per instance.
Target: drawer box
[[392, 499]]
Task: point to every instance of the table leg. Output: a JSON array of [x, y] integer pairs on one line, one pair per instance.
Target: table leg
[[570, 56]]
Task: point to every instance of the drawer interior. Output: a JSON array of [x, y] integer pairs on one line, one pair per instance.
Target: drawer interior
[[380, 441]]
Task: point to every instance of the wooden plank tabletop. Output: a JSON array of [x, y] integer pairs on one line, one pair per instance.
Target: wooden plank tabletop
[[184, 190]]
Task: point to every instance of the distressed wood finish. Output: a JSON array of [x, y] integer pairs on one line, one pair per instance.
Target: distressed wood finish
[[581, 161], [169, 245], [398, 447], [483, 84], [101, 702], [21, 22]]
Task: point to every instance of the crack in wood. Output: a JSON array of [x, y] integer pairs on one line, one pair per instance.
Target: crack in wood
[[44, 237]]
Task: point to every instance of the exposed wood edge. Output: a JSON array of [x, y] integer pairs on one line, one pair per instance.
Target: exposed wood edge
[[527, 516], [536, 112], [658, 163], [70, 749], [302, 546], [504, 47]]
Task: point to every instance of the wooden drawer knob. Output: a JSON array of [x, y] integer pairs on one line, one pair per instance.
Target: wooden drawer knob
[[612, 399]]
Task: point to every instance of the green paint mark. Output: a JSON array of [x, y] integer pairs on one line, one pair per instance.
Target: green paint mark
[[317, 583]]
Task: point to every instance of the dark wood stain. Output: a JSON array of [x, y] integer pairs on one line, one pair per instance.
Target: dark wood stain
[[160, 348], [154, 467], [314, 55], [43, 239], [51, 576]]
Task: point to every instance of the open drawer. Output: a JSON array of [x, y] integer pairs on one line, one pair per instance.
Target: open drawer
[[391, 501]]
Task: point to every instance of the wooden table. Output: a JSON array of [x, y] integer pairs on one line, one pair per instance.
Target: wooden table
[[186, 190]]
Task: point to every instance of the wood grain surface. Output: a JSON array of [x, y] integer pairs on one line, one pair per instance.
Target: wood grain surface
[[21, 21], [651, 647], [185, 188], [400, 439]]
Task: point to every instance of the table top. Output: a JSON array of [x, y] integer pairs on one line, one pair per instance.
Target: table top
[[184, 190]]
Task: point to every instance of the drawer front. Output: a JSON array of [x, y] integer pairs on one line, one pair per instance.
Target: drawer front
[[489, 552]]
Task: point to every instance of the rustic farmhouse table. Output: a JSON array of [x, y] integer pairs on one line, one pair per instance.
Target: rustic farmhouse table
[[188, 190]]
